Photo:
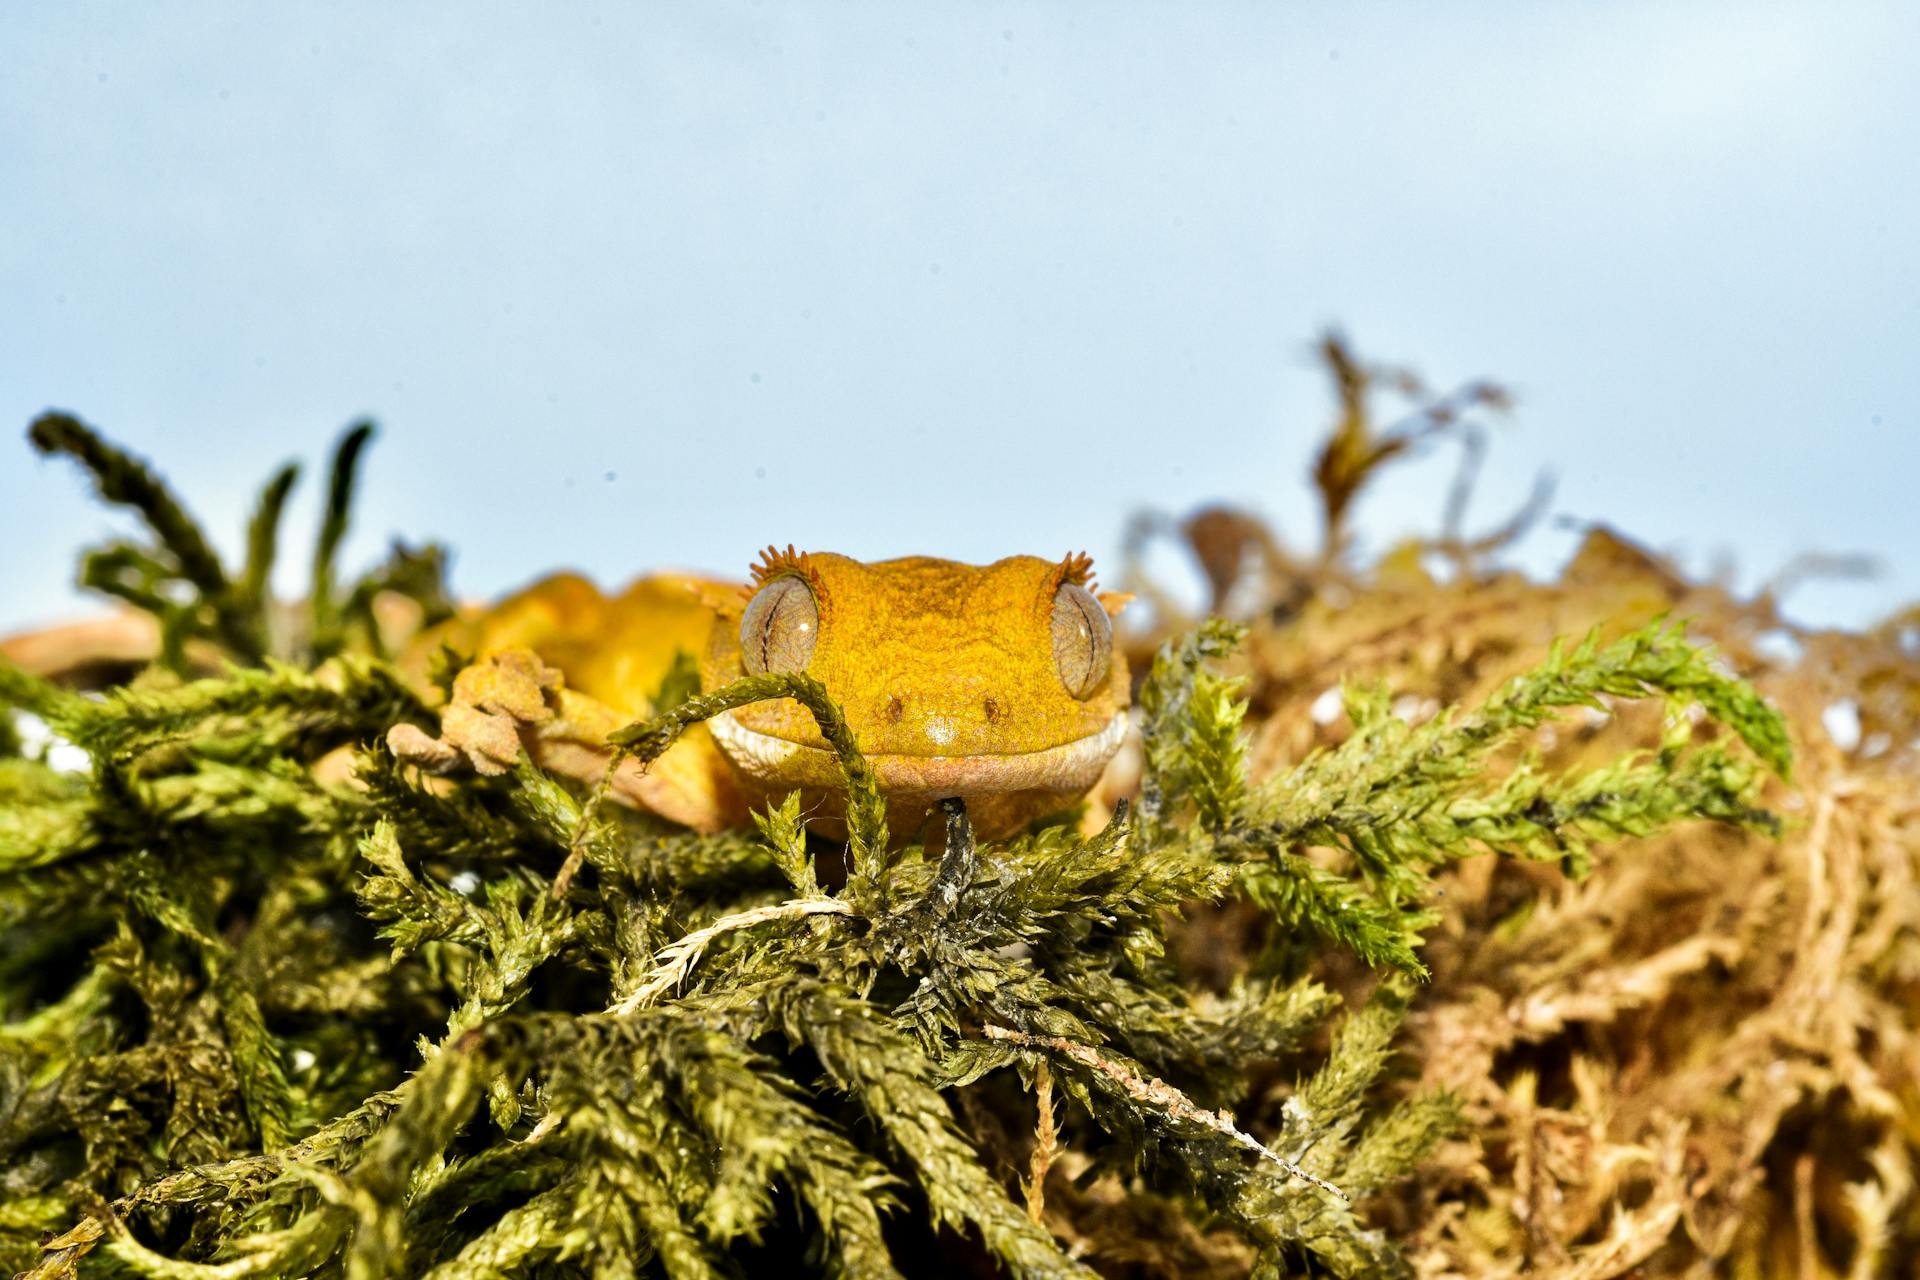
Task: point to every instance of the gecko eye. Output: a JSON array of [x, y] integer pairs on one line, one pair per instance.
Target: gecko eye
[[1082, 640], [779, 627]]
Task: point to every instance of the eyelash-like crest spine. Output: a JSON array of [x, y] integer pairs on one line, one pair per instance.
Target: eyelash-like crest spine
[[774, 562], [1076, 567]]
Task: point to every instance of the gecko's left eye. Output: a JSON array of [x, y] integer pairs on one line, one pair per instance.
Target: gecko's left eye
[[1082, 640], [780, 625]]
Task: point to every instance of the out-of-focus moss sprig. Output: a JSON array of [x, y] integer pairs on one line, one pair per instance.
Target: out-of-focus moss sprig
[[179, 579]]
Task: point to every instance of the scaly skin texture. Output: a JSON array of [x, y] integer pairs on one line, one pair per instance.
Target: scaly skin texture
[[946, 673]]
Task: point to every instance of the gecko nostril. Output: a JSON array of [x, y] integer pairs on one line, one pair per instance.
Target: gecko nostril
[[895, 709], [992, 710]]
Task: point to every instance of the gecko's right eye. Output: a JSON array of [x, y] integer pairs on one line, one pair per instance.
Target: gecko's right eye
[[779, 627]]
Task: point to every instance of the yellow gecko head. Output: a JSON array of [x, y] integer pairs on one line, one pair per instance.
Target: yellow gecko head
[[998, 683]]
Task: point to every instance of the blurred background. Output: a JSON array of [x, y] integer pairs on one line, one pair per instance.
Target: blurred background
[[638, 286]]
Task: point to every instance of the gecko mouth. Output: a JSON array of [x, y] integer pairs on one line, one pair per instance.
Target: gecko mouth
[[1071, 766]]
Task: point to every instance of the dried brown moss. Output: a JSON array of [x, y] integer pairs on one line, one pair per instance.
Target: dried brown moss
[[1704, 1057]]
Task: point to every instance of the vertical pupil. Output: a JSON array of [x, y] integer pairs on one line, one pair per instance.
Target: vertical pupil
[[1083, 644], [1080, 642], [775, 614], [766, 638]]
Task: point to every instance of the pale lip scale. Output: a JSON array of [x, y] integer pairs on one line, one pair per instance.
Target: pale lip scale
[[1072, 765]]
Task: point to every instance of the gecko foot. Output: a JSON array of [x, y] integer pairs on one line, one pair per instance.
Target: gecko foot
[[480, 727]]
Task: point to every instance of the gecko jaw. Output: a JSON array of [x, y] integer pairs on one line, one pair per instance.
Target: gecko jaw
[[1070, 766]]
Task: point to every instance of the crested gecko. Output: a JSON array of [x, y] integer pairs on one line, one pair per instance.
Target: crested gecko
[[999, 684]]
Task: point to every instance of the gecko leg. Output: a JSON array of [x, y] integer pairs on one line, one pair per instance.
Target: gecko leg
[[511, 701]]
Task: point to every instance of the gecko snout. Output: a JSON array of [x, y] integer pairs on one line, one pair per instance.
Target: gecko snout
[[940, 726]]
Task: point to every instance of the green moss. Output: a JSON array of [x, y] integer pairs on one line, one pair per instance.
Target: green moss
[[299, 1027]]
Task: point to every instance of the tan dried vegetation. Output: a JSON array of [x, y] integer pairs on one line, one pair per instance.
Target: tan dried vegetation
[[1703, 1059]]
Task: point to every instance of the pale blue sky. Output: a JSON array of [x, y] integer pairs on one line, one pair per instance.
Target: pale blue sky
[[958, 279]]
